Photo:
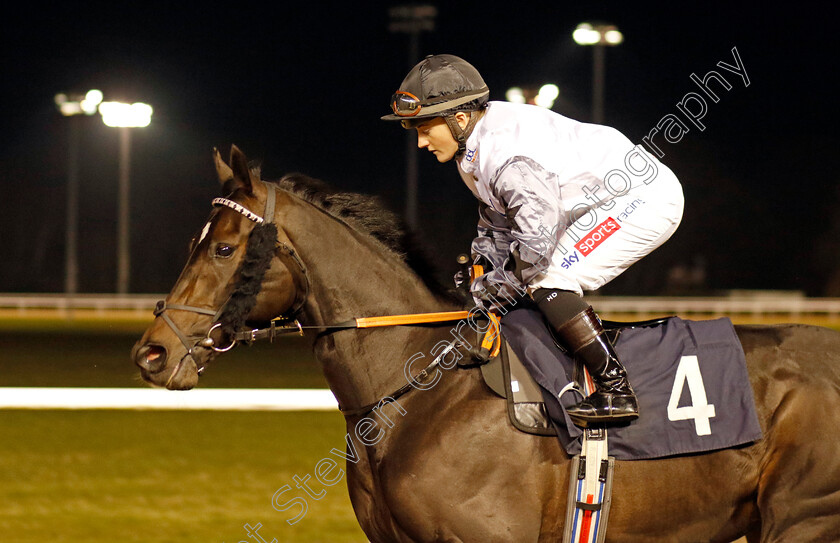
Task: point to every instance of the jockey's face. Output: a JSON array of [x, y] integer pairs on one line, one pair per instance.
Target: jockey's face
[[435, 136]]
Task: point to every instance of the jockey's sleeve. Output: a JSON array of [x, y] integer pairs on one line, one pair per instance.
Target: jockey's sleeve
[[534, 212], [519, 239], [494, 238]]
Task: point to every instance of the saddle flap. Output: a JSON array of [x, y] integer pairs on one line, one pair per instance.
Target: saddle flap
[[508, 378]]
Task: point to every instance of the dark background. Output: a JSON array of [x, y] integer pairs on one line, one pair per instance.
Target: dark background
[[302, 89]]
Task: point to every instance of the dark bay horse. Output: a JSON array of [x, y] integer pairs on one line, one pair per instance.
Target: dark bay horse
[[443, 463]]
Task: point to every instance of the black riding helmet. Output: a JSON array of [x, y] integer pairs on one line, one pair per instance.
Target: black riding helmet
[[440, 86]]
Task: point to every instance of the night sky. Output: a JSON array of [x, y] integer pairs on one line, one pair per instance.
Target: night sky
[[302, 89]]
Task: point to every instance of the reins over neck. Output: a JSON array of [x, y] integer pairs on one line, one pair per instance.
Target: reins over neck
[[232, 316]]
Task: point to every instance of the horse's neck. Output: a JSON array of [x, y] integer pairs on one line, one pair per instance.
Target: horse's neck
[[351, 275]]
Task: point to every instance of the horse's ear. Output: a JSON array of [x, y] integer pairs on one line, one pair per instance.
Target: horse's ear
[[222, 170], [239, 165]]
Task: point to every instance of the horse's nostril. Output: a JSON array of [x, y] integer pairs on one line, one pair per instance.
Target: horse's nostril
[[153, 354], [152, 358]]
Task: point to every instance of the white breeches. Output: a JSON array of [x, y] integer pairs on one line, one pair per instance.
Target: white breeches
[[600, 245]]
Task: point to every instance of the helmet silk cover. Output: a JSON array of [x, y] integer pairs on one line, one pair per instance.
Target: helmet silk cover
[[440, 86]]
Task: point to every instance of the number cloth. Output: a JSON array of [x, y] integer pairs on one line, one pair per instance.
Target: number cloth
[[690, 378]]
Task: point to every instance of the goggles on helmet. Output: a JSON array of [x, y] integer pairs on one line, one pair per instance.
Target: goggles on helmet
[[405, 104]]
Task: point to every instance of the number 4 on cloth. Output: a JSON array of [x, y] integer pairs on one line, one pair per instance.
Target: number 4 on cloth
[[699, 410]]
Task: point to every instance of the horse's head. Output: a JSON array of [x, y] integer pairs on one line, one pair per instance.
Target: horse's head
[[241, 267]]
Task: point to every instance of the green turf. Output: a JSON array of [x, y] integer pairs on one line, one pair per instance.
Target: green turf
[[160, 476]]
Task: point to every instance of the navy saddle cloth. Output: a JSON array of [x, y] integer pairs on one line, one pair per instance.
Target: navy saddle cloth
[[690, 378]]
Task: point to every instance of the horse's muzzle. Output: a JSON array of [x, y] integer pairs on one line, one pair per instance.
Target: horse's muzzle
[[176, 375], [150, 358]]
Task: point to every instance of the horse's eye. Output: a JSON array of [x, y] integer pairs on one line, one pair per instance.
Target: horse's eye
[[223, 251]]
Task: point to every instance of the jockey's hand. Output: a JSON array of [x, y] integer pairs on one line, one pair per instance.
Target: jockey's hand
[[495, 297], [460, 278]]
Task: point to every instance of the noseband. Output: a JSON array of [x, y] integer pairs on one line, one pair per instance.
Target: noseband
[[255, 280], [206, 341]]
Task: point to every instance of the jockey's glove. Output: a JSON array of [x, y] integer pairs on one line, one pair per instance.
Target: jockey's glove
[[495, 297]]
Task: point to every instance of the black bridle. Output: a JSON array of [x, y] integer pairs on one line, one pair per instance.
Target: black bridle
[[289, 317], [246, 286]]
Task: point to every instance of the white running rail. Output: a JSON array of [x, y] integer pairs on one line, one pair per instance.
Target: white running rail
[[223, 399]]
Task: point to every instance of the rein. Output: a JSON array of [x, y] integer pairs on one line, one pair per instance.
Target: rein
[[249, 287], [275, 330]]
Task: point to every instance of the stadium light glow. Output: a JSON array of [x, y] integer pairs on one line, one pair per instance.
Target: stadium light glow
[[544, 97], [90, 103], [613, 37], [584, 34], [118, 114], [597, 34], [78, 105], [515, 95]]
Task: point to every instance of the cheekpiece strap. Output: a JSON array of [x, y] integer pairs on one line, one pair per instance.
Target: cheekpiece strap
[[270, 199]]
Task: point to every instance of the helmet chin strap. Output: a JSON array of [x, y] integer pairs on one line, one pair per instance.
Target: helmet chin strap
[[461, 134]]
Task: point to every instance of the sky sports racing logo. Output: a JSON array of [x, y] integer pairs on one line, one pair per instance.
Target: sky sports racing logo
[[597, 236], [470, 155]]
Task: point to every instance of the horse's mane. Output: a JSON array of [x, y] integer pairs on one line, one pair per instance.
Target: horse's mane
[[368, 215]]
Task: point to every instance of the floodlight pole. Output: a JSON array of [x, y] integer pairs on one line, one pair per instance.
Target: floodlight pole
[[71, 260], [124, 117], [411, 20], [123, 219], [598, 84], [411, 173], [598, 35], [72, 107]]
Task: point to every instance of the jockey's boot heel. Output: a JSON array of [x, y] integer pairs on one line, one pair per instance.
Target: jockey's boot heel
[[614, 400]]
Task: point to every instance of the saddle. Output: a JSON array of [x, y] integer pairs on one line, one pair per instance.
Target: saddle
[[506, 376]]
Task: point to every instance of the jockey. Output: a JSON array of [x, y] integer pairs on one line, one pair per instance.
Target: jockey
[[564, 207]]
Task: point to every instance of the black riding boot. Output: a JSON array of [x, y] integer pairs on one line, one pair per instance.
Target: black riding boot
[[614, 400]]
